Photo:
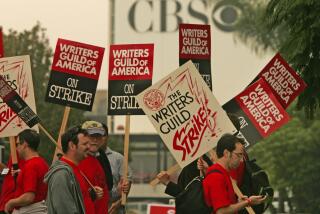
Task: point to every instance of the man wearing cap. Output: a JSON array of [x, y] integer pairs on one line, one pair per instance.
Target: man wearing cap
[[91, 167]]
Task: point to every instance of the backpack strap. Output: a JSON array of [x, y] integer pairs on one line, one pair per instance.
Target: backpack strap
[[200, 178], [212, 171], [248, 166]]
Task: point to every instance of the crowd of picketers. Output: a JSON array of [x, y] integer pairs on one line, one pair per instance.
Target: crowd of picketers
[[86, 177]]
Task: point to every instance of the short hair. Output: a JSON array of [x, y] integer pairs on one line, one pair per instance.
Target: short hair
[[31, 137], [71, 135], [106, 129], [228, 142]]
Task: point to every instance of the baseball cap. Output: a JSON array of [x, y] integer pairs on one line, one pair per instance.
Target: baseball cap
[[93, 128]]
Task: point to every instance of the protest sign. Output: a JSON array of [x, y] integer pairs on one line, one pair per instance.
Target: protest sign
[[258, 110], [17, 95], [185, 113], [75, 73], [130, 72], [17, 104], [161, 209], [284, 82], [1, 43], [195, 45]]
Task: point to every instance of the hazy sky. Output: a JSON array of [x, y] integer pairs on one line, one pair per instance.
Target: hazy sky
[[88, 22], [78, 20]]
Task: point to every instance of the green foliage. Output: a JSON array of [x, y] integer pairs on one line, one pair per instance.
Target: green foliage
[[302, 46], [291, 155], [35, 43], [292, 158], [291, 27], [252, 29]]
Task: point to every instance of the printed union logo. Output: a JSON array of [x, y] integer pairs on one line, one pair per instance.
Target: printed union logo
[[153, 99]]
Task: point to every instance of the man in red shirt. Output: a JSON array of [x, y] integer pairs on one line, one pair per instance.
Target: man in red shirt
[[9, 183], [238, 172], [68, 187], [92, 167], [30, 191], [217, 186]]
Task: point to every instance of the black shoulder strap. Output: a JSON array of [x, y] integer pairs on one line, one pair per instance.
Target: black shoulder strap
[[212, 171], [249, 165], [106, 166]]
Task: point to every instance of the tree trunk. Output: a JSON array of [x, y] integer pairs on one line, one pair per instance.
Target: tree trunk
[[281, 200]]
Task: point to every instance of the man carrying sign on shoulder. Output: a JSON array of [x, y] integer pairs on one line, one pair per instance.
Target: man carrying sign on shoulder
[[218, 190], [66, 179], [31, 191]]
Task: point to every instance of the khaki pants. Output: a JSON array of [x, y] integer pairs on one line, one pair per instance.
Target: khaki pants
[[35, 208]]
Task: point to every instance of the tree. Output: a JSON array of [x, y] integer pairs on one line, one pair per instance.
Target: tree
[[292, 158], [291, 155], [35, 43], [292, 28]]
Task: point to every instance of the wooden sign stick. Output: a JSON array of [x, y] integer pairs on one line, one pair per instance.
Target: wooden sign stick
[[126, 157], [14, 159], [49, 136], [13, 151], [62, 130], [170, 171], [240, 195], [175, 167]]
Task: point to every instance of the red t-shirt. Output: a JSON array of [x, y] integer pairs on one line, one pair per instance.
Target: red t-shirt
[[8, 184], [84, 186], [92, 168], [217, 188], [30, 179]]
